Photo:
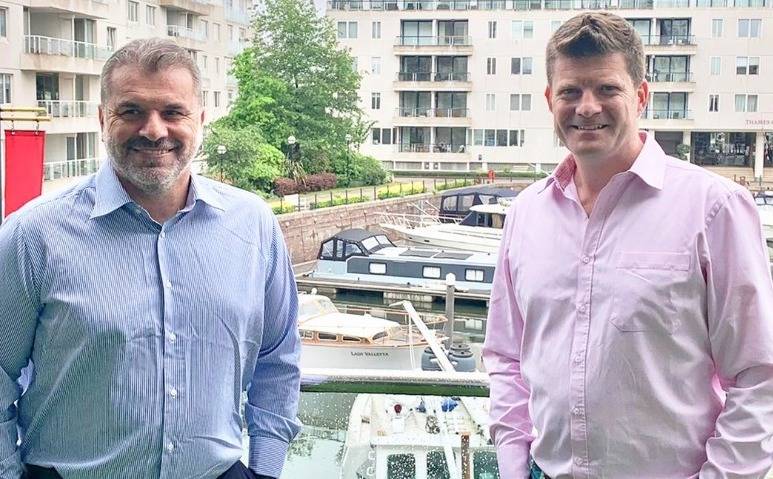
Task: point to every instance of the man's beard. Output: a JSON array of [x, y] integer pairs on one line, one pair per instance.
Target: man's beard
[[144, 177]]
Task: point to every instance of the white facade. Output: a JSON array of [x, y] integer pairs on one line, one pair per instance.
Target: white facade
[[486, 108], [53, 52]]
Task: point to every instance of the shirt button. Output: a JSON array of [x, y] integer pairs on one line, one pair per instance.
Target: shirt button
[[173, 392], [172, 337], [168, 284], [163, 235], [170, 447], [576, 410], [578, 461], [581, 308], [578, 358], [586, 259]]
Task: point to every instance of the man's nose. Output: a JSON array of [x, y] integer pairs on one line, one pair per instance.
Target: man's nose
[[154, 127], [589, 104]]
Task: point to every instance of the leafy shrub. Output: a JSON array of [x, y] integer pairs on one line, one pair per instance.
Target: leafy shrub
[[396, 191], [338, 201], [281, 209]]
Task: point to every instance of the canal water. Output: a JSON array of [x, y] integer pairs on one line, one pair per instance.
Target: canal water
[[317, 451]]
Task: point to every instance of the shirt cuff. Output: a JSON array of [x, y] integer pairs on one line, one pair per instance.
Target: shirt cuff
[[267, 455], [513, 460]]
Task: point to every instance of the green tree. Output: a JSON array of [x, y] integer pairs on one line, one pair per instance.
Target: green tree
[[242, 157], [295, 80]]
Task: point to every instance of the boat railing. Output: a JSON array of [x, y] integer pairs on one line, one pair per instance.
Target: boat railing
[[414, 221], [392, 314], [385, 381]]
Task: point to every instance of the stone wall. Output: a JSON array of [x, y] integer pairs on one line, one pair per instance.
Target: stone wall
[[305, 231]]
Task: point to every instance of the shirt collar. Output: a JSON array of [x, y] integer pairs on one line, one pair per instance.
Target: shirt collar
[[110, 195], [650, 166]]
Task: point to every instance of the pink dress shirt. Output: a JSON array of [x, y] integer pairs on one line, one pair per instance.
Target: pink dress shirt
[[605, 333]]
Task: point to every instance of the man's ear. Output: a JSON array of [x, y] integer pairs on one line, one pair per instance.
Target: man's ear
[[642, 96], [549, 98]]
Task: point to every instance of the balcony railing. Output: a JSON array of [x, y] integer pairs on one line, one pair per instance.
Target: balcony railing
[[433, 76], [69, 168], [537, 4], [658, 77], [40, 45], [668, 39], [430, 148], [70, 108], [668, 115], [433, 112], [184, 32], [442, 40]]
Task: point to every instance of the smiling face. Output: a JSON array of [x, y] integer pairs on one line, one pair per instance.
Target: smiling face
[[152, 127], [596, 107]]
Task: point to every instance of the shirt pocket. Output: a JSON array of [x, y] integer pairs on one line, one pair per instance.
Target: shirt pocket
[[644, 285]]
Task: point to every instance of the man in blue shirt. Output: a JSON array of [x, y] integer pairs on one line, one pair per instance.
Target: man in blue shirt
[[147, 299]]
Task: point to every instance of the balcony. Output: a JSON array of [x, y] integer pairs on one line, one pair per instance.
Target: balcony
[[70, 108], [433, 45], [62, 55], [95, 9], [671, 81], [186, 37], [447, 81], [675, 119], [70, 168], [238, 16], [197, 7], [670, 44]]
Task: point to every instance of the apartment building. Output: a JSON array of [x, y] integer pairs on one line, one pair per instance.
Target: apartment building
[[459, 84], [52, 52]]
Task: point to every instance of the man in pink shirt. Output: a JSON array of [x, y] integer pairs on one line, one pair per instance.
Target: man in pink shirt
[[630, 286]]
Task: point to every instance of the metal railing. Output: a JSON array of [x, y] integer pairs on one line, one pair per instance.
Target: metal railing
[[537, 4], [433, 76], [668, 114], [433, 41], [433, 112], [668, 39], [70, 168], [434, 383], [429, 148], [658, 77], [40, 45], [70, 108], [184, 32]]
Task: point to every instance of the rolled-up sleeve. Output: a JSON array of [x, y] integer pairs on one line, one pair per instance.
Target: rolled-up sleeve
[[740, 321], [18, 318], [272, 398], [510, 422]]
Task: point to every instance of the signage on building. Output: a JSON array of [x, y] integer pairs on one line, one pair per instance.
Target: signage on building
[[761, 122]]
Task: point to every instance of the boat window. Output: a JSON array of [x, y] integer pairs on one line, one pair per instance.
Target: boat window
[[437, 467], [431, 272], [377, 268], [382, 239], [488, 199], [339, 252], [370, 243], [484, 465], [473, 274], [326, 337], [351, 250], [351, 339], [759, 200], [449, 203], [378, 336], [497, 221], [401, 466], [467, 201], [307, 334], [327, 250]]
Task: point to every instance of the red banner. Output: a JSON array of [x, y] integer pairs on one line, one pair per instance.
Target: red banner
[[24, 152]]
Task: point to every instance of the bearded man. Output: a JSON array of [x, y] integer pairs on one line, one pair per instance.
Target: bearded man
[[146, 299]]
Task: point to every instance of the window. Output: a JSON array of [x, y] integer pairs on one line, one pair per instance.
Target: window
[[216, 99], [492, 29], [749, 27], [490, 102], [217, 31], [520, 102], [3, 22], [386, 136], [375, 65], [150, 14], [716, 65], [747, 65], [111, 38], [376, 135], [205, 28], [473, 274], [491, 66], [352, 29], [377, 268], [523, 29], [348, 30], [375, 31], [132, 12], [526, 102], [231, 33], [714, 103], [501, 137], [488, 137], [516, 138], [716, 28], [430, 271], [521, 66], [217, 64], [204, 63], [204, 95], [5, 88], [746, 103], [375, 101]]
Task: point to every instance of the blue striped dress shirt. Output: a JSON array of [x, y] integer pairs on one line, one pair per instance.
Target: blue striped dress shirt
[[143, 336]]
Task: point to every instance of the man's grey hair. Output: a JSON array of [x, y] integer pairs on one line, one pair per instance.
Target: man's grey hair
[[150, 55]]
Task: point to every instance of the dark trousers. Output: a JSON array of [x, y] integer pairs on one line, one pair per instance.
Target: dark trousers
[[237, 471]]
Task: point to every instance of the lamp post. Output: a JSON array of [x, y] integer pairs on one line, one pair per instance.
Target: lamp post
[[348, 138], [221, 151]]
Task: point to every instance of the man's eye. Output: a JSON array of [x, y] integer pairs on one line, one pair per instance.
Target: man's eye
[[173, 113], [130, 112]]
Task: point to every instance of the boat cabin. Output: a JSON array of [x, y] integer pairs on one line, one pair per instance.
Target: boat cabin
[[455, 204], [352, 242]]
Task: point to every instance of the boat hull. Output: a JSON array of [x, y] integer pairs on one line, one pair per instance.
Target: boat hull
[[361, 357]]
